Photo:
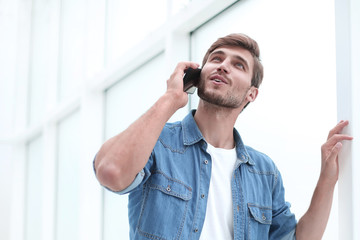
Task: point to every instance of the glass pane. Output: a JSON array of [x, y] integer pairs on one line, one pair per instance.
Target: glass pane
[[125, 102], [296, 105], [95, 37], [129, 22], [67, 212], [39, 61], [178, 5], [34, 191], [72, 47]]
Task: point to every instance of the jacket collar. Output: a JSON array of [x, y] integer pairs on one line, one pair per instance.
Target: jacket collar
[[191, 132]]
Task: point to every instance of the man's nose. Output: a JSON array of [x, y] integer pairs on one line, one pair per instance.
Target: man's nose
[[223, 67]]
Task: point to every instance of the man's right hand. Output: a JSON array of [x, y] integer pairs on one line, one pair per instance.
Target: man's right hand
[[175, 85]]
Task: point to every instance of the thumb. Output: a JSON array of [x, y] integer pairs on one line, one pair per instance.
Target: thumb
[[335, 151]]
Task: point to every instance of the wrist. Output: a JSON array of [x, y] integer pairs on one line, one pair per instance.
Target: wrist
[[175, 99]]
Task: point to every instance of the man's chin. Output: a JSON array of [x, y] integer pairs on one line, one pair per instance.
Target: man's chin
[[220, 102]]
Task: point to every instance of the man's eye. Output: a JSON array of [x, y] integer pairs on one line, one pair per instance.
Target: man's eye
[[216, 59], [240, 65]]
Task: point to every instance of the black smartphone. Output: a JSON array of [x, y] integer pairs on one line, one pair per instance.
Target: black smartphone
[[191, 79]]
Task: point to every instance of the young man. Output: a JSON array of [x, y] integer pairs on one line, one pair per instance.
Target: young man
[[195, 179]]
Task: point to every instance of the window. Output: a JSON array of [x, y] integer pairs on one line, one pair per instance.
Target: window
[[34, 190], [125, 102], [68, 192]]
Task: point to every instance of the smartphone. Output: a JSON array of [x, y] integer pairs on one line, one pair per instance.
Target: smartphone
[[191, 79]]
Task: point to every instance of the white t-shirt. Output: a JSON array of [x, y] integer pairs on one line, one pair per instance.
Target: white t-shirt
[[218, 222]]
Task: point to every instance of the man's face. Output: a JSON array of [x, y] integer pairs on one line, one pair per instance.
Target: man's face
[[226, 78]]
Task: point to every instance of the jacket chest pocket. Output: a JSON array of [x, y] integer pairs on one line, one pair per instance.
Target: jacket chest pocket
[[164, 207], [260, 218]]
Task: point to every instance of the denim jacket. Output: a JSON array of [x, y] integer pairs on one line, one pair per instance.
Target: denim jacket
[[168, 197]]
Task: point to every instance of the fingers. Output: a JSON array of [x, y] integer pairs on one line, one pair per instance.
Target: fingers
[[186, 65], [175, 81], [335, 133], [335, 150], [338, 128], [181, 66], [335, 137]]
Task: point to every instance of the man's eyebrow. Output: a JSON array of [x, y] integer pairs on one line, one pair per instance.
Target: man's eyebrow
[[243, 60], [219, 52]]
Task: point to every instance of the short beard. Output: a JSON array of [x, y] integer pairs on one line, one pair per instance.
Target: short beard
[[227, 101]]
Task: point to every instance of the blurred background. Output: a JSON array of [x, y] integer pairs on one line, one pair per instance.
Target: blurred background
[[74, 73]]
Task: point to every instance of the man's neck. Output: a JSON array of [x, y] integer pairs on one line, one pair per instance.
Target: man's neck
[[217, 124]]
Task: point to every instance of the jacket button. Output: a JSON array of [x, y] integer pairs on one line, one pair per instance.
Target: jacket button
[[196, 230], [206, 161], [202, 195], [168, 189]]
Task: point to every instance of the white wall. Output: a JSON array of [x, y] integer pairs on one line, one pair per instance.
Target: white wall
[[69, 71]]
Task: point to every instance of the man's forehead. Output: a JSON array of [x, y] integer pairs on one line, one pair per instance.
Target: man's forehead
[[231, 50], [236, 52]]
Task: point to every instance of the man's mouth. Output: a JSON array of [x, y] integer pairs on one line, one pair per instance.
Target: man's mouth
[[218, 79]]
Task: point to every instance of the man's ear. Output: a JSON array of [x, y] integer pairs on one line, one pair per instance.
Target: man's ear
[[252, 93]]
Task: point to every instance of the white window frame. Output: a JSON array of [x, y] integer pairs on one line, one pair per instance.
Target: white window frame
[[348, 89]]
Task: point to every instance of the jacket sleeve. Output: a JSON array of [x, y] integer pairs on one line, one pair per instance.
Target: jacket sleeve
[[141, 177], [283, 222]]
